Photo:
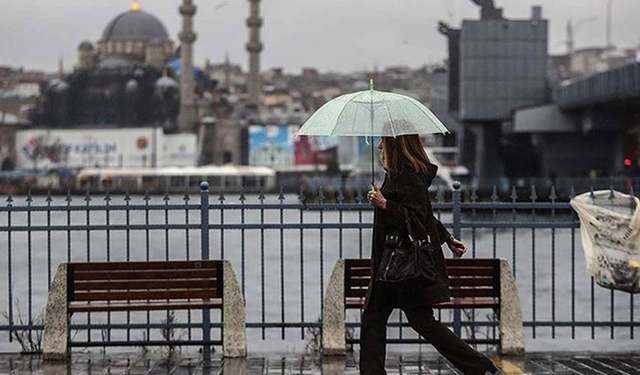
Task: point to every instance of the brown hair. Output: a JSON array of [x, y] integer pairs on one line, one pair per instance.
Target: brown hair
[[404, 151]]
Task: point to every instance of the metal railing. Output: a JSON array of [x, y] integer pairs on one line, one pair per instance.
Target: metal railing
[[283, 248]]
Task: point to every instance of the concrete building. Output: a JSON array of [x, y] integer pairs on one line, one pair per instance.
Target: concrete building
[[496, 66]]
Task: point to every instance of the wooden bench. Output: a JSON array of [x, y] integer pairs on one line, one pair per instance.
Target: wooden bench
[[474, 284], [144, 286]]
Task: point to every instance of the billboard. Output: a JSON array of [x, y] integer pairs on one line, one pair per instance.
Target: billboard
[[82, 148], [275, 145]]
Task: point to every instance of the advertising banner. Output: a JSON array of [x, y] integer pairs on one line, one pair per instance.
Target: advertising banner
[[277, 146], [91, 148]]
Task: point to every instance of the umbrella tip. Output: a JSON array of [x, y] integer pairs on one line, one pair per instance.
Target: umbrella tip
[[371, 84]]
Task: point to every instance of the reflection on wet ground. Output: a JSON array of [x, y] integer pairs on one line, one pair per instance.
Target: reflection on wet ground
[[137, 364]]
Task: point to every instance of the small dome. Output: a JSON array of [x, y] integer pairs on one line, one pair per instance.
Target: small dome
[[85, 46], [166, 82], [135, 25]]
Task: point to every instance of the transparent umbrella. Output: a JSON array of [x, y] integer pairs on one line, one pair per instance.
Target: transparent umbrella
[[372, 114]]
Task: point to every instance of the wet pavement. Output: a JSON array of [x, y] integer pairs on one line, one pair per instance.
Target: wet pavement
[[406, 364]]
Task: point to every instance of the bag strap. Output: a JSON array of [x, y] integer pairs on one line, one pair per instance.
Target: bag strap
[[409, 218]]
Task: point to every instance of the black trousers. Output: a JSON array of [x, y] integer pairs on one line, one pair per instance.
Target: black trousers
[[373, 340]]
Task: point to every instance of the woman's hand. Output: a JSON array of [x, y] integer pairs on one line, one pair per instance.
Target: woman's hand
[[457, 248], [376, 199]]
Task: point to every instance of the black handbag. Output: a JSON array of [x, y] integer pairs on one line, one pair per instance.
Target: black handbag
[[408, 257]]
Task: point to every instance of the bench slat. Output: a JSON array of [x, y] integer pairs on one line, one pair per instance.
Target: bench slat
[[145, 284], [475, 292], [359, 272], [471, 281], [145, 295], [453, 281], [472, 262], [150, 265], [137, 275], [94, 307], [356, 292], [462, 303], [470, 271], [359, 281], [362, 262]]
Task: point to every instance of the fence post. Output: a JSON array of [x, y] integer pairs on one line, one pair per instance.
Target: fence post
[[204, 245], [456, 200]]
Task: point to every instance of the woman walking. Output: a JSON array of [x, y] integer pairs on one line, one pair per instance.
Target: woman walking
[[408, 175]]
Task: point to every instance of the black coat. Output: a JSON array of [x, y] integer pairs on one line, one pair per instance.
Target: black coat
[[408, 189]]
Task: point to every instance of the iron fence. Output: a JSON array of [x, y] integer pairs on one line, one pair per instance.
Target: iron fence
[[283, 247]]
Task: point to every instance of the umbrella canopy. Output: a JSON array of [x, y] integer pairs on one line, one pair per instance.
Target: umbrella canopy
[[372, 113]]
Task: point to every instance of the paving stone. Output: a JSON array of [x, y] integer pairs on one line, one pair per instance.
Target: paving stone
[[405, 364]]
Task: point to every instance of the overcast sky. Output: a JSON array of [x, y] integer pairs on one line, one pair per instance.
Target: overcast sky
[[337, 35]]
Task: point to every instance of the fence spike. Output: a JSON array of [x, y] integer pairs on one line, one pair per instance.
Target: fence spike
[[10, 199], [359, 197], [301, 196], [87, 196], [186, 198], [221, 197], [261, 196], [534, 195], [340, 196], [474, 193], [439, 194], [147, 197], [127, 196], [29, 197], [49, 199], [242, 195], [553, 195], [281, 195], [494, 194], [107, 197], [321, 194], [514, 194], [612, 196]]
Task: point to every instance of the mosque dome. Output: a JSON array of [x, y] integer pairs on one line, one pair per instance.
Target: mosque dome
[[135, 24], [86, 46]]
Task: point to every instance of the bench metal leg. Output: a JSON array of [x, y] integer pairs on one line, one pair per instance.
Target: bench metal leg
[[234, 339], [56, 320], [511, 334], [333, 313]]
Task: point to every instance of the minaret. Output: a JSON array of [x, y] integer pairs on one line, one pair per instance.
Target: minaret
[[254, 47], [188, 117], [227, 73], [60, 68]]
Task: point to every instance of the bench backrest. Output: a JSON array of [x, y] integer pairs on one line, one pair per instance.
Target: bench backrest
[[130, 281], [469, 278]]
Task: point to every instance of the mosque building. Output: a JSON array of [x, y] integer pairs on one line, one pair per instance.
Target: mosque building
[[121, 80], [120, 107]]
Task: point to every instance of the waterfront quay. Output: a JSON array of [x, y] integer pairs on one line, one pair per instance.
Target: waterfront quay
[[290, 364], [283, 248]]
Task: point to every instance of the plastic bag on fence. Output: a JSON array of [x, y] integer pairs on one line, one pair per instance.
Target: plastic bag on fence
[[610, 229]]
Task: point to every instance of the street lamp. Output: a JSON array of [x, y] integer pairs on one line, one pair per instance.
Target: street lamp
[[609, 5]]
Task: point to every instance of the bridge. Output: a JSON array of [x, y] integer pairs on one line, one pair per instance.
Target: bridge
[[617, 86]]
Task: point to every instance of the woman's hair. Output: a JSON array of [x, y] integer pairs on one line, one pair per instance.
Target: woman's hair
[[404, 151]]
